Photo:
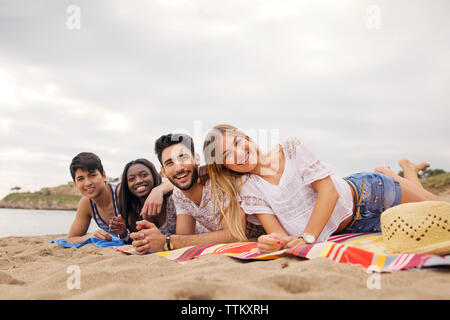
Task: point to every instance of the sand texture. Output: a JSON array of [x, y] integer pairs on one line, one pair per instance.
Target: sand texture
[[32, 268]]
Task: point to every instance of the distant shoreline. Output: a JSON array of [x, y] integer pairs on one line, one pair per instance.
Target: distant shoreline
[[66, 197], [40, 201], [38, 209]]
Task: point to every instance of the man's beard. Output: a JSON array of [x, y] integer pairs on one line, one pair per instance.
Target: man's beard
[[193, 180]]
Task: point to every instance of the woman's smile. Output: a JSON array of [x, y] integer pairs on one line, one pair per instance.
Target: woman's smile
[[141, 188], [140, 180]]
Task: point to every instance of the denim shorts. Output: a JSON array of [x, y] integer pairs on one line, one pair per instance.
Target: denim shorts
[[380, 193]]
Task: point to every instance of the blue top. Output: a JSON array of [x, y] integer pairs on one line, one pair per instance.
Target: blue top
[[98, 219]]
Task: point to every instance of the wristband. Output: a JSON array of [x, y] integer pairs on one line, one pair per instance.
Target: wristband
[[168, 246], [126, 238]]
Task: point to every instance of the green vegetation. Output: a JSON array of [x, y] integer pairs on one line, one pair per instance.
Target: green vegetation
[[434, 180], [40, 200], [63, 197], [39, 196], [426, 173], [437, 182]]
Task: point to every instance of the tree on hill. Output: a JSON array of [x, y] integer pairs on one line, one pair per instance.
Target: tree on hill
[[16, 189]]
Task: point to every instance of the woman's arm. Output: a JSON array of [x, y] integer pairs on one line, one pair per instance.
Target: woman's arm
[[327, 197], [271, 224], [276, 236]]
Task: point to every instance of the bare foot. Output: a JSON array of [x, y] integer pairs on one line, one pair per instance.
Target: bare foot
[[382, 169], [406, 164], [422, 166]]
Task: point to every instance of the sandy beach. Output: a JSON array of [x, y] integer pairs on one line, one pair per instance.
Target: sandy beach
[[33, 268]]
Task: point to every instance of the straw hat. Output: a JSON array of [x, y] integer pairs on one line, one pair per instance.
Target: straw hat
[[418, 227]]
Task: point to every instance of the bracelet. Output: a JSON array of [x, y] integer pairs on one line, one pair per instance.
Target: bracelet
[[168, 246], [126, 238]]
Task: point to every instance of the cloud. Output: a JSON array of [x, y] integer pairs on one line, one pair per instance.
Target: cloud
[[132, 72]]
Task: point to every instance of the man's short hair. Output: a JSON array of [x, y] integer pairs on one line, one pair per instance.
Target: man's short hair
[[168, 140], [86, 161]]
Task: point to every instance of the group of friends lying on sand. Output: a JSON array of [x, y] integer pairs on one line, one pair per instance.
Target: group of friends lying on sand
[[284, 198]]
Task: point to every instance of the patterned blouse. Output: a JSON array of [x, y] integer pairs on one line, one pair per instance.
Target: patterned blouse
[[207, 215], [169, 227]]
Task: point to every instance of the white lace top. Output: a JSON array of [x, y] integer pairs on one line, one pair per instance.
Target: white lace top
[[293, 200]]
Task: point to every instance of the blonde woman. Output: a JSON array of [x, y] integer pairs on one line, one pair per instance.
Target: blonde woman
[[294, 195]]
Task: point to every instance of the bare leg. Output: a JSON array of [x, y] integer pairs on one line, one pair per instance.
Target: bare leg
[[412, 189]]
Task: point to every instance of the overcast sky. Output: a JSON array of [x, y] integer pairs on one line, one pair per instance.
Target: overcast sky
[[362, 82]]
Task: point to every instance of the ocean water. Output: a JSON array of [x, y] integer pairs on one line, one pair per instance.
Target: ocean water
[[24, 222]]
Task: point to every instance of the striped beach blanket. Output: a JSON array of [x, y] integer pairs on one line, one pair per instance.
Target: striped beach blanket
[[365, 250]]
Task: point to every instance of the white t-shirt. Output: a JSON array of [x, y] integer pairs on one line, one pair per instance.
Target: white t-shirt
[[293, 200]]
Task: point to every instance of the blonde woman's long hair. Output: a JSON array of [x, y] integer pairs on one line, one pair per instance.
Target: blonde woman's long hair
[[225, 182]]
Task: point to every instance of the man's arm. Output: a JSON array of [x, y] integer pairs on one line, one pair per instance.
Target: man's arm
[[77, 232], [153, 203], [149, 239], [80, 225], [214, 237], [220, 236], [185, 224]]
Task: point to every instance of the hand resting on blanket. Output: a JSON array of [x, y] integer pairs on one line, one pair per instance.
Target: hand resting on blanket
[[274, 242]]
